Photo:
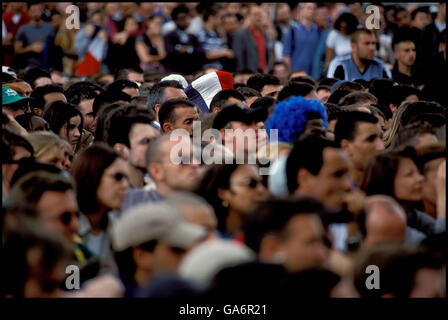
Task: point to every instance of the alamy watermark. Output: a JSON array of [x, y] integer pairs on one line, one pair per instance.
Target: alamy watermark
[[72, 21], [373, 20], [373, 280], [234, 146]]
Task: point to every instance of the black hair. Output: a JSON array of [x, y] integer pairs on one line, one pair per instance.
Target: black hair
[[349, 85], [166, 112], [122, 74], [273, 215], [382, 89], [327, 82], [259, 80], [305, 79], [178, 10], [424, 9], [357, 97], [60, 113], [119, 85], [108, 97], [209, 11], [220, 99], [83, 90], [307, 154], [408, 134], [420, 109], [34, 73], [401, 92], [157, 92], [349, 19], [248, 92], [10, 140], [39, 93], [347, 125], [104, 118], [293, 88], [121, 126], [6, 77], [337, 95]]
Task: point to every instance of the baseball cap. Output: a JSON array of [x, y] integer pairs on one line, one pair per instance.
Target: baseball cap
[[10, 96], [238, 113], [154, 221]]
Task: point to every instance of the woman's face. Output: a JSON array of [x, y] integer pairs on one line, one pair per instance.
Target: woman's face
[[54, 156], [68, 155], [246, 189], [113, 185], [73, 132], [155, 25], [408, 181], [130, 25]]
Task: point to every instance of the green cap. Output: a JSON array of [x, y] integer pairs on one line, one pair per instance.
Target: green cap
[[10, 96]]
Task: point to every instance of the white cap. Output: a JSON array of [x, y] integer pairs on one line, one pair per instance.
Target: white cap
[[178, 78], [154, 221]]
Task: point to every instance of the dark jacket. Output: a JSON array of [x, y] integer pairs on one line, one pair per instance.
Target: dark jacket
[[246, 53]]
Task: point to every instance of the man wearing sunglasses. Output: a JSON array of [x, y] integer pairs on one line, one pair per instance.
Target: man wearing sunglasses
[[56, 209]]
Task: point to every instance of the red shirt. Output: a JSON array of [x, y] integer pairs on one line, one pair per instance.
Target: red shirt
[[10, 25], [261, 47]]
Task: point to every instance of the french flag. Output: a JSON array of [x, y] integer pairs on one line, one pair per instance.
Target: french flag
[[202, 90], [91, 63]]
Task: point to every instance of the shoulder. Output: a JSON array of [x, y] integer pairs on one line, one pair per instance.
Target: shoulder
[[379, 61]]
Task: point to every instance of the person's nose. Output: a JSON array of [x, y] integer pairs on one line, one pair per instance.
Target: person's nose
[[379, 146], [77, 133], [74, 224]]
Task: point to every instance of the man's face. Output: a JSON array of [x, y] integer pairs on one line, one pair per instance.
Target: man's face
[[182, 21], [59, 212], [231, 24], [332, 183], [421, 20], [174, 93], [270, 90], [140, 136], [314, 127], [54, 96], [35, 12], [303, 244], [86, 107], [322, 17], [406, 53], [403, 19], [166, 258], [308, 10], [366, 144], [281, 72], [181, 176], [133, 92], [242, 139], [136, 77], [185, 116], [42, 81], [256, 16], [365, 47], [323, 95]]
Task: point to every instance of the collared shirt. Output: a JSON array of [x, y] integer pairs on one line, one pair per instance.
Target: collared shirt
[[261, 46]]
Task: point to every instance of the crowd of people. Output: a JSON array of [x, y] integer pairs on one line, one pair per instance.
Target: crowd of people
[[321, 150]]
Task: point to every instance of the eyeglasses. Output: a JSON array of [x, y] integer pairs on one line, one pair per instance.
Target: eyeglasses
[[251, 183], [66, 217], [119, 176]]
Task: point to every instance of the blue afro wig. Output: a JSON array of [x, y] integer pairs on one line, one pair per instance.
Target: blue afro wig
[[289, 117]]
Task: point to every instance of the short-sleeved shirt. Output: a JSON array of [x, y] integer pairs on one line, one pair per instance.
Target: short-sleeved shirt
[[339, 43], [29, 34]]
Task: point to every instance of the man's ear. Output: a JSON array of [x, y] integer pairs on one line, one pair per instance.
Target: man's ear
[[157, 108], [155, 171], [122, 150], [167, 127], [393, 108], [305, 179], [344, 144], [216, 109], [269, 246]]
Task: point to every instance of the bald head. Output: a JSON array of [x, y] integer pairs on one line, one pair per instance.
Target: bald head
[[385, 220]]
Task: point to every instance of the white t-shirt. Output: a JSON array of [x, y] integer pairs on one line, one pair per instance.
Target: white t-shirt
[[339, 43]]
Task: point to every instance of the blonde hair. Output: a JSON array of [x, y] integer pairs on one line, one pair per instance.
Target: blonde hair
[[43, 142], [390, 134], [272, 150]]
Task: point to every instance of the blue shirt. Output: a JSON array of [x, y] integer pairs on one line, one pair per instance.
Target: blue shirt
[[305, 45], [376, 69]]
